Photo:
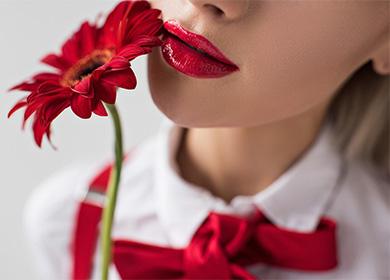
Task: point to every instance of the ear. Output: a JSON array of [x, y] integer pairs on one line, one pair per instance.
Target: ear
[[381, 59]]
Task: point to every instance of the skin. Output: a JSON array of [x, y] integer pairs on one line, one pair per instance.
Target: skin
[[244, 130]]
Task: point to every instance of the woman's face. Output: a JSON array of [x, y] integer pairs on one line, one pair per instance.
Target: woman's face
[[292, 56]]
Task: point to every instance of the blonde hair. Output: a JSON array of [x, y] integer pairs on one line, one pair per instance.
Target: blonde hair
[[359, 116]]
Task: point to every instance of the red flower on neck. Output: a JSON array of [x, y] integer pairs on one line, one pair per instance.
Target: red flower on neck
[[92, 64]]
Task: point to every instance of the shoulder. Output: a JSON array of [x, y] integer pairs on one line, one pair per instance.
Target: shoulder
[[364, 199], [55, 199], [49, 213], [362, 210], [368, 184], [49, 210], [48, 218], [55, 195]]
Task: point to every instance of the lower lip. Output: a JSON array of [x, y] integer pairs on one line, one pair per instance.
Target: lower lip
[[192, 62]]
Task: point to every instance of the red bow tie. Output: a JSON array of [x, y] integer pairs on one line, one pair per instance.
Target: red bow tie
[[223, 245], [220, 248]]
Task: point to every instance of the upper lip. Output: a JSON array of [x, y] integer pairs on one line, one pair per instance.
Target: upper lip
[[196, 41]]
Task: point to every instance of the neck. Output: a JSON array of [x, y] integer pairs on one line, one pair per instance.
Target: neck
[[246, 160]]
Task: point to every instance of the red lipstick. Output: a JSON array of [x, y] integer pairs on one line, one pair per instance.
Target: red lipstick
[[192, 54]]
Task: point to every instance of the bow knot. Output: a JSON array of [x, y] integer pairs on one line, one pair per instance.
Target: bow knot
[[214, 249]]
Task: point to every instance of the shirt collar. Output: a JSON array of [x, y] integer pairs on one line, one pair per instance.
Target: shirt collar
[[296, 200]]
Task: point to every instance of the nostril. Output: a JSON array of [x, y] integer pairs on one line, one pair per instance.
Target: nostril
[[217, 11]]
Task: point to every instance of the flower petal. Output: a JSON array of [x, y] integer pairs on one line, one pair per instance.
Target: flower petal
[[48, 88], [84, 87], [25, 86], [48, 133], [147, 42], [117, 63], [39, 129], [71, 49], [56, 62], [124, 78], [100, 110], [45, 115], [36, 81], [43, 77], [44, 101], [111, 32], [144, 23], [81, 106], [30, 110], [54, 109], [105, 92], [88, 35], [22, 103], [132, 51]]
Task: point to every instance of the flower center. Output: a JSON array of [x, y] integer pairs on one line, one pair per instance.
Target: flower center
[[85, 66]]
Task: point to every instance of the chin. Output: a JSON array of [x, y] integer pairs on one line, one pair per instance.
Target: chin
[[181, 113], [166, 94], [182, 101]]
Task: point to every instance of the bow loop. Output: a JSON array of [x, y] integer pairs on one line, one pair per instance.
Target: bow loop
[[298, 250]]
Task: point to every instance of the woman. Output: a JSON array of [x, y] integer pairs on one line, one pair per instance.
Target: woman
[[277, 106]]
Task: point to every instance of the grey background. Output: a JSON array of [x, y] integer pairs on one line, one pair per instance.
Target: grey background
[[28, 31]]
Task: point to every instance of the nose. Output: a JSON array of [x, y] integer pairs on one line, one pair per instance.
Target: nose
[[223, 9]]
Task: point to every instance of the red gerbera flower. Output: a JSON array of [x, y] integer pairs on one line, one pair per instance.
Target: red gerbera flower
[[92, 64]]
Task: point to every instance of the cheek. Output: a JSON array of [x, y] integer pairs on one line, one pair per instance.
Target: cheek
[[294, 64]]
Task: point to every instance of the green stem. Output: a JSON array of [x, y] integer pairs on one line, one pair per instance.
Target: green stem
[[110, 203]]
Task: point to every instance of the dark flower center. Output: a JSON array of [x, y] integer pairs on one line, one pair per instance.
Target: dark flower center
[[85, 66]]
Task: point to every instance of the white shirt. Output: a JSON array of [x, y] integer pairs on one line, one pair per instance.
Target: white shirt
[[156, 205]]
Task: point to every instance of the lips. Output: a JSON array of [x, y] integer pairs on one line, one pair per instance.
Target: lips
[[192, 54]]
